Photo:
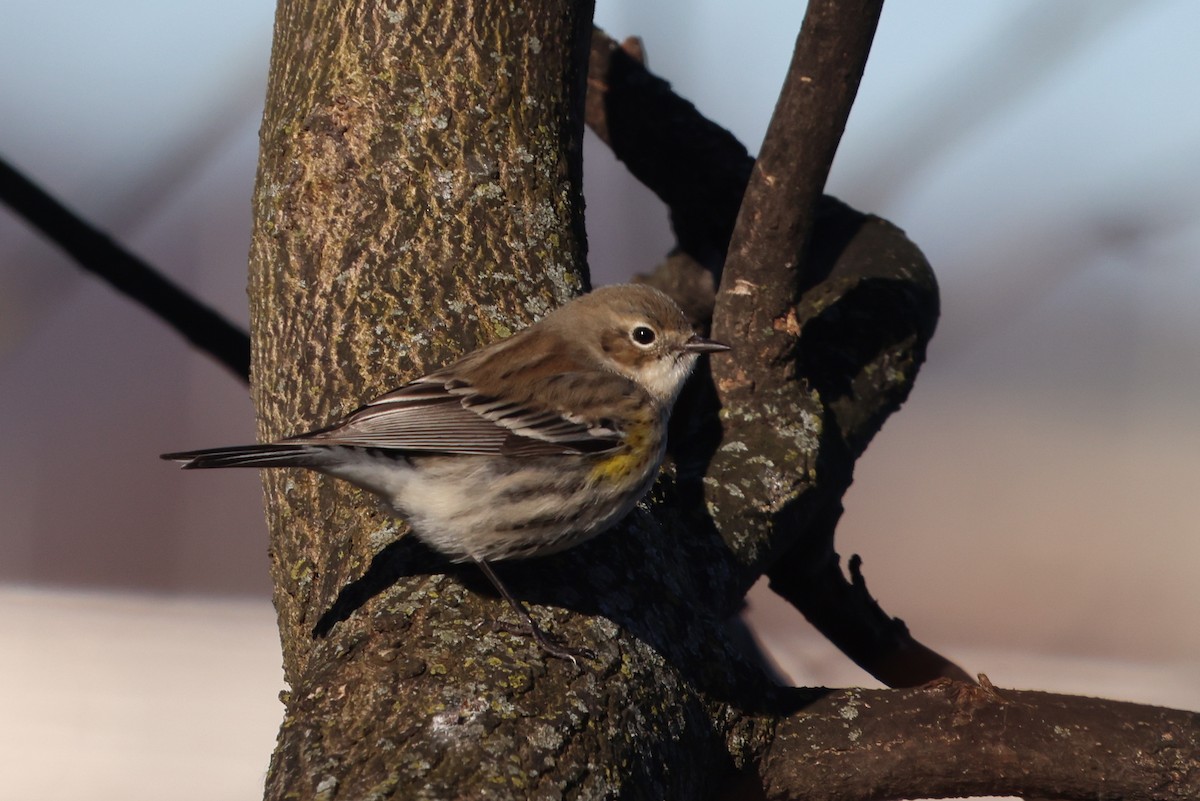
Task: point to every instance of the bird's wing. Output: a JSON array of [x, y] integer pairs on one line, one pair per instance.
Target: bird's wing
[[447, 415]]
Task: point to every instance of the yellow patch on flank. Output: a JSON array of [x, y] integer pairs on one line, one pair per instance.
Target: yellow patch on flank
[[639, 449]]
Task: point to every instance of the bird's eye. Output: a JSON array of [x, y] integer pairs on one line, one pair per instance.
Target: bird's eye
[[643, 335]]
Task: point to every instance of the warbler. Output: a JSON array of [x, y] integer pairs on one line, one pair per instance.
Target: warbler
[[522, 448]]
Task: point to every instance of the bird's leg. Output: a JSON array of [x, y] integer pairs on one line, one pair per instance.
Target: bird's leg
[[543, 640]]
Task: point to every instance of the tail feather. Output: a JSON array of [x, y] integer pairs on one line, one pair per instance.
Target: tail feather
[[270, 455]]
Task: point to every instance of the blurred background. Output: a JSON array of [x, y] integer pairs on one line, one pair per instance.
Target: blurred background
[[1032, 512]]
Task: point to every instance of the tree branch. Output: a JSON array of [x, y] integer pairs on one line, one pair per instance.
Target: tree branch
[[97, 253], [954, 739], [696, 167], [870, 306], [766, 259]]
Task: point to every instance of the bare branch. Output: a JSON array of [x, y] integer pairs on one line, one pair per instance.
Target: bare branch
[[100, 255], [955, 739], [766, 254], [700, 170], [696, 167]]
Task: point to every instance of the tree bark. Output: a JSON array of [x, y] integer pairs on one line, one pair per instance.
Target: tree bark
[[953, 739], [859, 358], [399, 223], [418, 195]]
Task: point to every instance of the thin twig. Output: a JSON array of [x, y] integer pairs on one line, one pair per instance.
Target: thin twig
[[776, 217], [100, 255]]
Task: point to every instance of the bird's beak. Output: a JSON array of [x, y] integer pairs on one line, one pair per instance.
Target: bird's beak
[[698, 344]]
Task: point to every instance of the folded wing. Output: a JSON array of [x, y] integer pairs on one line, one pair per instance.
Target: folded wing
[[445, 415]]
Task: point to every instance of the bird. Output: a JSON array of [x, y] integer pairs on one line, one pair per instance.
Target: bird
[[522, 448]]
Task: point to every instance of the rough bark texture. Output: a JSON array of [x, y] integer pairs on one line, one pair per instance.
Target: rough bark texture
[[770, 407], [398, 224], [418, 196], [861, 357], [402, 218], [953, 739]]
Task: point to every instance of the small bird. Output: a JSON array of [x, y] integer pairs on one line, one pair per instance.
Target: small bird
[[522, 448]]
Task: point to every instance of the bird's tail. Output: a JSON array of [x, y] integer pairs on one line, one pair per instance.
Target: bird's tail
[[270, 455]]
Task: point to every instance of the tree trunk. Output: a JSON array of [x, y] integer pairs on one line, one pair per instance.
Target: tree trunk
[[418, 196]]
